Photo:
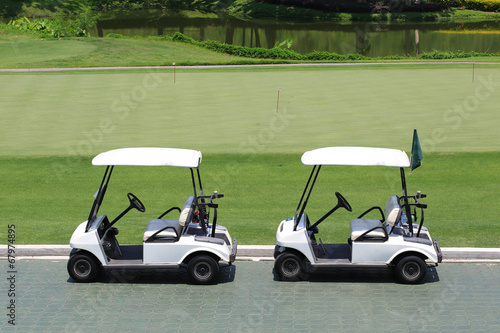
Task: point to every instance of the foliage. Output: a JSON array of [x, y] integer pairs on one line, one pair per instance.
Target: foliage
[[285, 54], [59, 26], [382, 11], [287, 42], [452, 55], [258, 52], [481, 5], [45, 8]]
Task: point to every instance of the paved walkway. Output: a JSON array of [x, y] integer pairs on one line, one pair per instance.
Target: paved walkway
[[457, 297], [261, 252], [14, 70]]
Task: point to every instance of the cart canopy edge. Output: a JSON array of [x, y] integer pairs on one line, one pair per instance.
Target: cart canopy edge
[[357, 156], [150, 156]]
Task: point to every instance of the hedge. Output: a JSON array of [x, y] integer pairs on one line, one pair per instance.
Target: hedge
[[285, 54], [481, 5]]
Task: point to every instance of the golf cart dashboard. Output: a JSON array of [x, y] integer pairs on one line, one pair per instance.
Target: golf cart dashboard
[[99, 223], [302, 223]]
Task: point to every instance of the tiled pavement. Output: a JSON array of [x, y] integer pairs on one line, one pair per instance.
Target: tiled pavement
[[457, 297]]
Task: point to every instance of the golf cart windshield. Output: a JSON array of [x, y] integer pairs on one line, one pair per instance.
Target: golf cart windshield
[[355, 156], [143, 157]]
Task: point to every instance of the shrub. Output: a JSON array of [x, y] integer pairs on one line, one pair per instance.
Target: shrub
[[48, 28], [481, 5], [59, 26], [452, 55], [286, 54]]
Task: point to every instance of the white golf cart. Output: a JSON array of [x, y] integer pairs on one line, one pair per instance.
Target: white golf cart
[[393, 241], [189, 240]]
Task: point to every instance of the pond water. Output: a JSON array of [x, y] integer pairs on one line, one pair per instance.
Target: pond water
[[370, 39]]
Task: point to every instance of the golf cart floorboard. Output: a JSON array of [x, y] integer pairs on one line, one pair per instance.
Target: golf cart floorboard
[[337, 256], [132, 258], [131, 255], [333, 252]]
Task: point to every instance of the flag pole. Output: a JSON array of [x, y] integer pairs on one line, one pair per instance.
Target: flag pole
[[278, 101]]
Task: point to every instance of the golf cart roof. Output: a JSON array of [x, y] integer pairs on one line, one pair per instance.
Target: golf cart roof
[[362, 156], [186, 158]]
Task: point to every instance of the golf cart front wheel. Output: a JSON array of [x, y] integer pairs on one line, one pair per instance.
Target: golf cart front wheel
[[290, 267], [203, 269], [410, 269], [83, 268]]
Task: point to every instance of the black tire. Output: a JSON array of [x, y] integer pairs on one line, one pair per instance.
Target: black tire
[[83, 267], [290, 267], [410, 270], [203, 269]]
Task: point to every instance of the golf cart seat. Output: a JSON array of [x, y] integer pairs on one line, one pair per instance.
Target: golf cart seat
[[372, 229], [170, 229]]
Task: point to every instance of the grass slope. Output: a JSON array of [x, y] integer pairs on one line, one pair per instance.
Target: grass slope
[[29, 50], [24, 52]]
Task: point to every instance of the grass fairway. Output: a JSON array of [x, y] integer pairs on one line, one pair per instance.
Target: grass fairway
[[234, 110], [52, 123]]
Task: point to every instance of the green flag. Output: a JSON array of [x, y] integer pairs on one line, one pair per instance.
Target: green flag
[[416, 152]]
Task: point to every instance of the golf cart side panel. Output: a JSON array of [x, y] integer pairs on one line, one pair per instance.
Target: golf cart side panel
[[298, 240], [385, 253], [427, 251], [372, 252], [156, 253], [88, 241]]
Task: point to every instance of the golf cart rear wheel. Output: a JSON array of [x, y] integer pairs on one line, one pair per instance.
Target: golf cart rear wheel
[[290, 267], [83, 267], [203, 269], [410, 269]]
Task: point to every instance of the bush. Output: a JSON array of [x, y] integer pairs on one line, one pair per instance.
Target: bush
[[366, 6], [48, 28], [59, 26], [452, 55], [481, 5], [262, 53], [285, 54]]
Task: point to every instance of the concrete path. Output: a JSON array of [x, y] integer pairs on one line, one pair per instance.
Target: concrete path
[[457, 297], [260, 252], [62, 69]]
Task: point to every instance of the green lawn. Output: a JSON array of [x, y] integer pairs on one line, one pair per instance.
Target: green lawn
[[19, 49], [234, 110], [53, 123], [91, 52], [260, 191]]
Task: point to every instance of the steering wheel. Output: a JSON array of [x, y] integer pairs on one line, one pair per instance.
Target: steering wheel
[[343, 202], [136, 203]]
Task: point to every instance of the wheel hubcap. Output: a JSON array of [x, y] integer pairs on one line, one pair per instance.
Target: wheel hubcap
[[291, 267], [411, 270], [202, 270], [82, 268]]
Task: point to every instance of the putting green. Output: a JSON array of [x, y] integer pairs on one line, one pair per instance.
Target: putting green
[[237, 110]]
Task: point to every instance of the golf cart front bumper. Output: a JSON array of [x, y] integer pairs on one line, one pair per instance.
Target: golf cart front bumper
[[438, 250], [232, 257]]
